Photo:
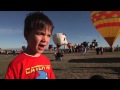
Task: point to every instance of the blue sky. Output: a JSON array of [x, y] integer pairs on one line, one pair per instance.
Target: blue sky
[[75, 24]]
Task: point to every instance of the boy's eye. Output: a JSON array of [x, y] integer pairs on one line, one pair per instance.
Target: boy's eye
[[49, 35], [39, 33]]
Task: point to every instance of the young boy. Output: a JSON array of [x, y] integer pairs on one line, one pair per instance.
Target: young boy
[[31, 63]]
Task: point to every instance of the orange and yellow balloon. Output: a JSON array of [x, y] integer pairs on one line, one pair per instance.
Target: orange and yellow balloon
[[108, 24]]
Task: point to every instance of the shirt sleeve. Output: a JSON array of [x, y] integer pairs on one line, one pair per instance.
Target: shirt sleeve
[[10, 73]]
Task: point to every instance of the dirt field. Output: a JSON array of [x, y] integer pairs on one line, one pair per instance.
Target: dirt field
[[78, 66]]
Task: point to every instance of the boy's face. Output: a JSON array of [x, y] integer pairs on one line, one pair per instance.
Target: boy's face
[[38, 40]]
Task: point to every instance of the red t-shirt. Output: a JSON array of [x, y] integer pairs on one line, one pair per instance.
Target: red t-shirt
[[28, 67]]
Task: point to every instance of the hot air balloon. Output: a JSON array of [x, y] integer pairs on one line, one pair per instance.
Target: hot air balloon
[[60, 39], [85, 44], [108, 24], [69, 45], [94, 44], [23, 48]]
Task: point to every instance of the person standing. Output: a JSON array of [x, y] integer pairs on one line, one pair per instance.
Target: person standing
[[97, 50], [101, 50]]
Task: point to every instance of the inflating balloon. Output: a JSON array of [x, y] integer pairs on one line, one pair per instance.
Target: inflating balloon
[[59, 39]]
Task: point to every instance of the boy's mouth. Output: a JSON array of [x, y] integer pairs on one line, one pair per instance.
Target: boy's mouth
[[41, 47]]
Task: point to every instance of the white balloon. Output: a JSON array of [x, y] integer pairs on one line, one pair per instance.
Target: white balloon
[[60, 39]]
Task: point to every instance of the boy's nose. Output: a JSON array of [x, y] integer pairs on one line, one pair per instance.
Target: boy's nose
[[44, 38]]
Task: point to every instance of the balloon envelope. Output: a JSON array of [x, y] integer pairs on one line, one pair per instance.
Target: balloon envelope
[[108, 24], [60, 39]]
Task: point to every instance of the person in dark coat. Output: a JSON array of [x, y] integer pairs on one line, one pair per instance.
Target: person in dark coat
[[97, 51], [59, 55]]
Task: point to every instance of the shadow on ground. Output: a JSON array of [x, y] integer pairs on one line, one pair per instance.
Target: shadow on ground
[[115, 69], [95, 60]]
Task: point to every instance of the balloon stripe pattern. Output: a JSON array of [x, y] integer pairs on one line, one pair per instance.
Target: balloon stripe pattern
[[108, 24]]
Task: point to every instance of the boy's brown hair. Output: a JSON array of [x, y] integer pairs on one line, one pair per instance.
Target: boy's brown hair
[[36, 20]]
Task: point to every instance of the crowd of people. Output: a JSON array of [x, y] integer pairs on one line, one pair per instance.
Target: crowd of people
[[99, 50]]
